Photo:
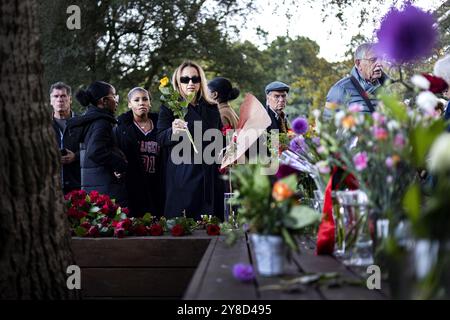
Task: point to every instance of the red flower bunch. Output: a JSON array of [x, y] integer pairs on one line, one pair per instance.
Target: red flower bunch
[[95, 214], [437, 84]]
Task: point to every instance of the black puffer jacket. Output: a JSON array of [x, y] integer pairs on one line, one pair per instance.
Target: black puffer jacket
[[99, 155], [143, 179]]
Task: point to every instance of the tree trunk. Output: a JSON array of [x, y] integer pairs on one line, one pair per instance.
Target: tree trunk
[[34, 233]]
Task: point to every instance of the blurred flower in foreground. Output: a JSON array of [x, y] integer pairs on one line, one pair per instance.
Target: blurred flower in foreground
[[407, 35], [439, 157], [243, 272]]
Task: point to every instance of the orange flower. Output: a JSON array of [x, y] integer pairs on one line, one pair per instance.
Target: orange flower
[[396, 159], [281, 191], [348, 122]]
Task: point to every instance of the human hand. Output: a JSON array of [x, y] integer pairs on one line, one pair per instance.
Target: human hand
[[68, 158], [178, 125]]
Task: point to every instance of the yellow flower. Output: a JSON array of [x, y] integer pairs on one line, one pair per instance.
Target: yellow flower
[[163, 82]]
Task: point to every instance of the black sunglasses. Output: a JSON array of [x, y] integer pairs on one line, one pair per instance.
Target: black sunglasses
[[185, 80]]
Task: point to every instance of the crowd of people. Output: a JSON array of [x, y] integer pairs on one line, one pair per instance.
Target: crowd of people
[[130, 158]]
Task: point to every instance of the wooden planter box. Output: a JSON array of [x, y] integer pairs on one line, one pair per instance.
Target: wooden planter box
[[138, 267]]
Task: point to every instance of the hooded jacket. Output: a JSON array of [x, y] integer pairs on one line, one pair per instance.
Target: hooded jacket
[[99, 155]]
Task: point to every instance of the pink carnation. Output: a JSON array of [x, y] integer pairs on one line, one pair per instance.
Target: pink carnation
[[360, 160]]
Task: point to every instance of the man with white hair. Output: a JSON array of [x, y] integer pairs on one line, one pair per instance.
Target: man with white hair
[[366, 77]]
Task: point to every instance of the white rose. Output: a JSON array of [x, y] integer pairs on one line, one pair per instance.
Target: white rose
[[427, 101], [420, 82], [338, 118], [439, 156]]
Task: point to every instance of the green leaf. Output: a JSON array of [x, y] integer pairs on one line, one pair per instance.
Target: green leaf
[[147, 217], [411, 202], [94, 209], [80, 231], [394, 108], [302, 216], [165, 90], [422, 138], [291, 181]]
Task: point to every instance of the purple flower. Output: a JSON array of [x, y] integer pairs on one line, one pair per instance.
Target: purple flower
[[360, 160], [284, 171], [300, 125], [399, 140], [316, 141], [243, 272], [407, 35], [298, 145]]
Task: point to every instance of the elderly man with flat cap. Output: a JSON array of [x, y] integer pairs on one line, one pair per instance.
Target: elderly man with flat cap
[[276, 99]]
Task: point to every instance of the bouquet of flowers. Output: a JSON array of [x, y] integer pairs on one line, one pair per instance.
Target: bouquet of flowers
[[96, 215]]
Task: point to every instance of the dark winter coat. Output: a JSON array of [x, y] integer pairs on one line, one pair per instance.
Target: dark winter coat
[[143, 178], [99, 155], [69, 139], [193, 188]]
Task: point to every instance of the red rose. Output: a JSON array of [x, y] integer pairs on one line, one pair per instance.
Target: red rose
[[72, 212], [156, 230], [140, 230], [81, 214], [213, 230], [86, 225], [126, 211], [82, 194], [94, 196], [93, 231], [119, 232], [177, 230], [125, 224], [104, 209], [114, 223], [105, 221]]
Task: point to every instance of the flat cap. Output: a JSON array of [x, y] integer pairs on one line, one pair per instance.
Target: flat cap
[[277, 86]]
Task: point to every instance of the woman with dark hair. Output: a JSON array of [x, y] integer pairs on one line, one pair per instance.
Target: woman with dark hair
[[136, 137], [102, 163], [223, 92], [193, 186]]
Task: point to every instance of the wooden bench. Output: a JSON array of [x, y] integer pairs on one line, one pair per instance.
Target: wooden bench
[[199, 267]]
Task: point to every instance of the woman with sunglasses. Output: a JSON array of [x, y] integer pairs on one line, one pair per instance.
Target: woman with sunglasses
[[193, 187], [136, 137], [102, 162]]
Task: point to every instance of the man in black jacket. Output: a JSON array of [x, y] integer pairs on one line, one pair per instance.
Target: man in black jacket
[[276, 97], [61, 100]]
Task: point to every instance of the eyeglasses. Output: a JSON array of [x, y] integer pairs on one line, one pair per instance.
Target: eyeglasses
[[115, 97], [186, 80]]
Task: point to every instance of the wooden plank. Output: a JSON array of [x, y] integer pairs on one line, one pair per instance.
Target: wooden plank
[[196, 282], [140, 251], [135, 282], [312, 263], [291, 271], [218, 281]]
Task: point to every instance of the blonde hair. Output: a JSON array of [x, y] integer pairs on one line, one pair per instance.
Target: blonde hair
[[203, 92]]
